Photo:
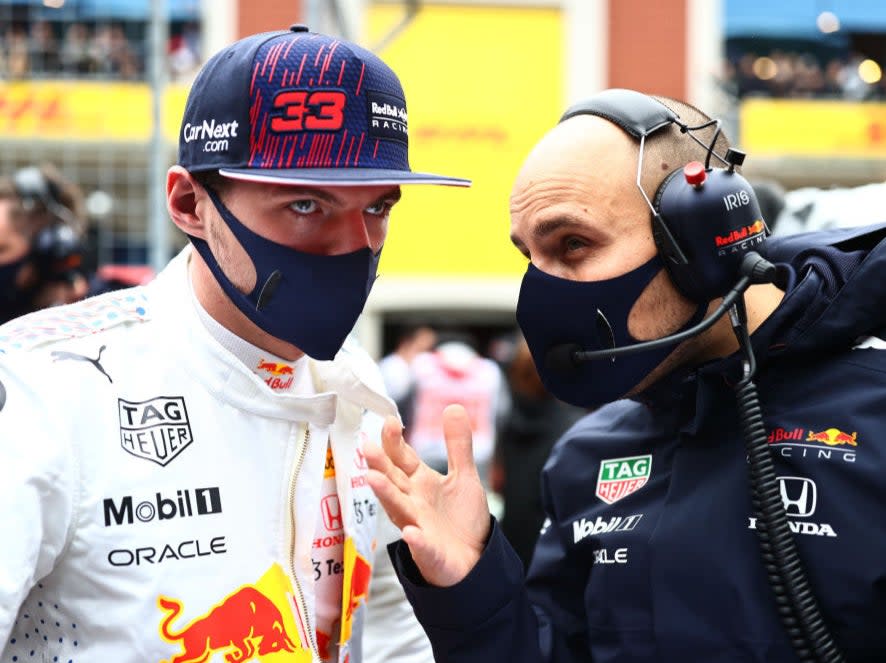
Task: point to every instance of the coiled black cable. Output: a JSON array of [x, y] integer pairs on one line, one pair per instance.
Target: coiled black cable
[[795, 601]]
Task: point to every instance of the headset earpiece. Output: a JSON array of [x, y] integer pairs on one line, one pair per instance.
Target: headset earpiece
[[667, 244], [713, 217]]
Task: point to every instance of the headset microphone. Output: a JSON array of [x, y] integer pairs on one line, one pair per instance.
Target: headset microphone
[[753, 269]]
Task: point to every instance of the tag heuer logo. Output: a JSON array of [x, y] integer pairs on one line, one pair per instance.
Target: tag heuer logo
[[156, 429], [620, 477]]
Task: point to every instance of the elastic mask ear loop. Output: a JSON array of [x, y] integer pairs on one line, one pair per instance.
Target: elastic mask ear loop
[[265, 291]]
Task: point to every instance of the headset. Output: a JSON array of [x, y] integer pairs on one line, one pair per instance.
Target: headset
[[704, 219], [706, 224], [56, 250]]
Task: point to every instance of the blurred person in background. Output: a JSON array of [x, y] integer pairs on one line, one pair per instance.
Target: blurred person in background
[[455, 372], [16, 52], [534, 422], [41, 248], [116, 276], [43, 48], [75, 57], [396, 367]]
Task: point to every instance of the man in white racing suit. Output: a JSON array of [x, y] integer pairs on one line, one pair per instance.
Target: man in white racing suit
[[183, 478]]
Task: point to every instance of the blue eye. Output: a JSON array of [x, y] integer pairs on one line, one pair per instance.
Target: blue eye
[[305, 206], [574, 243], [378, 209]]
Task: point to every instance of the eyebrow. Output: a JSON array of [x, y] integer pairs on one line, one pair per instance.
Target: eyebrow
[[393, 196]]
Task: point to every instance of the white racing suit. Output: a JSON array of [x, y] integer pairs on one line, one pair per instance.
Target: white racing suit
[[160, 502]]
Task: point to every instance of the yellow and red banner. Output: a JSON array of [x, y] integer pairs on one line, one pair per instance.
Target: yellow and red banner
[[86, 111], [813, 128]]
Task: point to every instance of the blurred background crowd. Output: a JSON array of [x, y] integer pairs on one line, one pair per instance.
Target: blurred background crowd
[[803, 74], [99, 49]]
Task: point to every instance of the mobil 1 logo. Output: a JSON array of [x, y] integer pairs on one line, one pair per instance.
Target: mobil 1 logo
[[156, 429], [184, 504]]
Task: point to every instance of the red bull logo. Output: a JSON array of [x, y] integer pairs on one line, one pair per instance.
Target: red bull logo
[[245, 625], [827, 444], [275, 380], [742, 234], [833, 437], [756, 227], [274, 368]]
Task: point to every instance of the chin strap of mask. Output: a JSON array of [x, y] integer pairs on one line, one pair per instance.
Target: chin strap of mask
[[795, 600]]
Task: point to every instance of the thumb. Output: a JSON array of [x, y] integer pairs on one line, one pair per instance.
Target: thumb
[[459, 442]]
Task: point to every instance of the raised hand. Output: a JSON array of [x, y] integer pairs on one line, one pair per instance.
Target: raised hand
[[444, 519]]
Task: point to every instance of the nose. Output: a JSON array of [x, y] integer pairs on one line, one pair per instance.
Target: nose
[[551, 267], [354, 234]]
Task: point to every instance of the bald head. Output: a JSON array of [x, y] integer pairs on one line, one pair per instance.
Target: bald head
[[584, 144]]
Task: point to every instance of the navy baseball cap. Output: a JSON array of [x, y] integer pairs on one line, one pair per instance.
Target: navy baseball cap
[[297, 107]]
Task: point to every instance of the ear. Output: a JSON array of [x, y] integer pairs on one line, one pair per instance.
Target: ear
[[185, 201]]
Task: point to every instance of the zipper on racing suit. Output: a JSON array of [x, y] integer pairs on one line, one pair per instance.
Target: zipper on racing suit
[[299, 593]]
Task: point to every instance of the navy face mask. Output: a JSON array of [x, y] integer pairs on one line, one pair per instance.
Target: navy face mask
[[553, 312], [311, 301], [13, 300]]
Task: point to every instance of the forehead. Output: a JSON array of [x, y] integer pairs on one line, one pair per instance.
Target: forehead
[[586, 163], [11, 216], [586, 144]]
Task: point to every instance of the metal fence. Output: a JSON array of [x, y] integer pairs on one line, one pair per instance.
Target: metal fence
[[76, 91]]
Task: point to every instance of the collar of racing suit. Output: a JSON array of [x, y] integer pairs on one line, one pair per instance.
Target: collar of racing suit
[[351, 376]]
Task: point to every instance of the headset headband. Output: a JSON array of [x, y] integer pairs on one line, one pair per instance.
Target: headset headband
[[636, 113]]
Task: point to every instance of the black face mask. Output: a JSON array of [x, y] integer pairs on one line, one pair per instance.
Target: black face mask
[[554, 311], [14, 301], [311, 301]]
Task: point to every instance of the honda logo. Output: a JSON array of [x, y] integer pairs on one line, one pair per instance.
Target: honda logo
[[331, 511], [799, 495]]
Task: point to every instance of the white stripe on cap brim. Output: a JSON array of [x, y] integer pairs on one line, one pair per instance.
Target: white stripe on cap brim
[[339, 176]]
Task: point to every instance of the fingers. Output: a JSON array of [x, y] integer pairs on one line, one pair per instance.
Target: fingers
[[397, 504], [378, 460], [459, 443], [400, 453]]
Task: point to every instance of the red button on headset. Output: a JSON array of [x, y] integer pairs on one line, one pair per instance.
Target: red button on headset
[[694, 173]]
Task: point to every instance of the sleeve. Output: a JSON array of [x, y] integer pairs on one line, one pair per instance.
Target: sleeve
[[35, 491], [392, 633], [497, 614], [492, 615]]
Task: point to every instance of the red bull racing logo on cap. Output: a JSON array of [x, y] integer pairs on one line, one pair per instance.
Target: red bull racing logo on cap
[[619, 477]]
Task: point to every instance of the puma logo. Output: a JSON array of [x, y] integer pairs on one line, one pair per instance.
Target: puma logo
[[58, 355]]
